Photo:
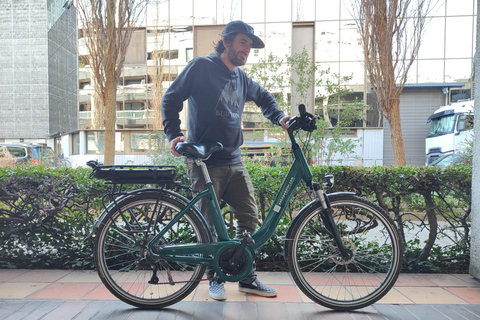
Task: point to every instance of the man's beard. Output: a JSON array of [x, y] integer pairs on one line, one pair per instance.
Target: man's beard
[[234, 58]]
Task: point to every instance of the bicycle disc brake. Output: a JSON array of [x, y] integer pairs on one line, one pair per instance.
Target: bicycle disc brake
[[336, 256]]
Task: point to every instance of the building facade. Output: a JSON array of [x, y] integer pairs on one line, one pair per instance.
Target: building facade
[[39, 96], [38, 74], [173, 32]]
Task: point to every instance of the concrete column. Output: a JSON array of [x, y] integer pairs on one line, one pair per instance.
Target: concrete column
[[475, 230]]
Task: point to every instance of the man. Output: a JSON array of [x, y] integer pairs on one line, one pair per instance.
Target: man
[[217, 91]]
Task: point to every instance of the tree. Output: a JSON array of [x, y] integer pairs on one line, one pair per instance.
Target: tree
[[275, 75], [107, 27], [391, 33]]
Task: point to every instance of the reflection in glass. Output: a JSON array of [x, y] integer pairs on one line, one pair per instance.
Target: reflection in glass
[[228, 10], [253, 11], [96, 142], [144, 141], [157, 13], [433, 40], [181, 12], [279, 10], [412, 73], [460, 7], [347, 10], [354, 70], [278, 39], [304, 10], [430, 71], [327, 41], [458, 70], [204, 12], [459, 41], [439, 9], [350, 42], [328, 10]]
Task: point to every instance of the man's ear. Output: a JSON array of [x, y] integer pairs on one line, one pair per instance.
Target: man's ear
[[226, 43]]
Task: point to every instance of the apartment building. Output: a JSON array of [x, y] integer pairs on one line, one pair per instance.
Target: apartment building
[[38, 73], [175, 31]]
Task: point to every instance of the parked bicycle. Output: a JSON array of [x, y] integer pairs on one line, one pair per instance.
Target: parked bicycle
[[152, 246]]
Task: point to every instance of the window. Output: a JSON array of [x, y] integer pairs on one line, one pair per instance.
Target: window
[[85, 107], [457, 95], [85, 85], [136, 48], [96, 142], [128, 82], [17, 152], [465, 122], [441, 125], [134, 105], [145, 141], [76, 143], [189, 54], [163, 54]]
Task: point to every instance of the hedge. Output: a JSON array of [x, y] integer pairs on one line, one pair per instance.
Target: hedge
[[46, 213]]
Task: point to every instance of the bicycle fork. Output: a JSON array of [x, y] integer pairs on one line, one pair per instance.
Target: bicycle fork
[[327, 217]]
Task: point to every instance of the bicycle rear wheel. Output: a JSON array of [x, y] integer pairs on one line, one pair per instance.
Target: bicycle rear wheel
[[341, 283], [123, 261]]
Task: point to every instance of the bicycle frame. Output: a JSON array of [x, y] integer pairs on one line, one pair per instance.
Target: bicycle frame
[[198, 253]]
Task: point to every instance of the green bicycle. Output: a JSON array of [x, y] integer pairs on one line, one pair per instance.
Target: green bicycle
[[152, 246]]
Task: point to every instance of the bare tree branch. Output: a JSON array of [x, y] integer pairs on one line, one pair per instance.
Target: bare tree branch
[[391, 32], [107, 27]]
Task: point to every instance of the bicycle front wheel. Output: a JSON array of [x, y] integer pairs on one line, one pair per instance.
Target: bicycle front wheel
[[123, 262], [332, 280]]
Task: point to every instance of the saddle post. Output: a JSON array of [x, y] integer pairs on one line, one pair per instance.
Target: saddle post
[[203, 166]]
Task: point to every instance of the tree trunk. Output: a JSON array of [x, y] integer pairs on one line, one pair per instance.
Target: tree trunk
[[396, 133], [110, 92], [432, 222], [110, 119], [98, 119]]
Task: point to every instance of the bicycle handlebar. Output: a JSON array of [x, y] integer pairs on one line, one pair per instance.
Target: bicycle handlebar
[[305, 120]]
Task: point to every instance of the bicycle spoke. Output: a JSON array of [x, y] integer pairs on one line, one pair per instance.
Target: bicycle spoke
[[356, 279], [124, 262]]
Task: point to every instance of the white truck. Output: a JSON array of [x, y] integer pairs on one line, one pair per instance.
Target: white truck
[[450, 128]]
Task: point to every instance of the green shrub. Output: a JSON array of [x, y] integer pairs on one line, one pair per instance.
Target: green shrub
[[46, 213]]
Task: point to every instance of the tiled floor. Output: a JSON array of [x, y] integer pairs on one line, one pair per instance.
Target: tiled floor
[[65, 295], [410, 289]]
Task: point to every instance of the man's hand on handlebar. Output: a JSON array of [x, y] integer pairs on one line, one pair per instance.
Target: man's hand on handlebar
[[283, 122], [173, 143]]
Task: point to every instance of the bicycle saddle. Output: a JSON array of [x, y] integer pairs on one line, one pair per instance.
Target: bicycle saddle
[[198, 150]]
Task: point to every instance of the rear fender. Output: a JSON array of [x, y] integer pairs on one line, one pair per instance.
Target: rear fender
[[125, 197]]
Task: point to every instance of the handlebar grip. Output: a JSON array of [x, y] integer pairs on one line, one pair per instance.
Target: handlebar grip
[[302, 109]]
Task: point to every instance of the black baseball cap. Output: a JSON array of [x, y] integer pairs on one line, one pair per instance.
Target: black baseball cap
[[238, 26]]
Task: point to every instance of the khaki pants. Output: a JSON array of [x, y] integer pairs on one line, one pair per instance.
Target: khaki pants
[[232, 184]]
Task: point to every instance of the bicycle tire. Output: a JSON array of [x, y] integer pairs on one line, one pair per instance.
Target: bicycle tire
[[125, 265], [318, 268]]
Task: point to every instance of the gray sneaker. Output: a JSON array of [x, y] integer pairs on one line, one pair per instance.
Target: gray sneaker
[[258, 288], [217, 291]]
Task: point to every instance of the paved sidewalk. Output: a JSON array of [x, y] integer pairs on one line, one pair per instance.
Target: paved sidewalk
[[65, 294]]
